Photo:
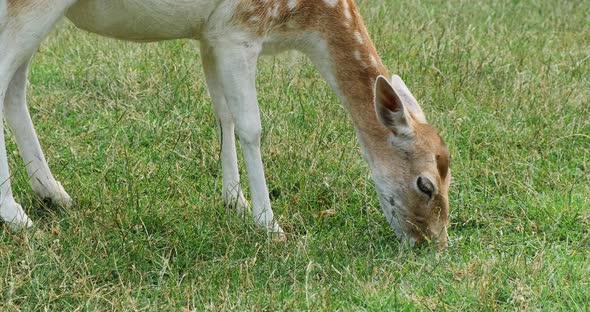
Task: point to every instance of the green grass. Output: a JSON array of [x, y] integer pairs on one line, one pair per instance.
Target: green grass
[[129, 131]]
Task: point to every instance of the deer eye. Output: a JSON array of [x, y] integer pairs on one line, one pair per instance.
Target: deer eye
[[425, 186]]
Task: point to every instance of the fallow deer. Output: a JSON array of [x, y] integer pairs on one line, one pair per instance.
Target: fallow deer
[[408, 159]]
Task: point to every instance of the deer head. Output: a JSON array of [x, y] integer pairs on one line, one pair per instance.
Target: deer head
[[411, 172]]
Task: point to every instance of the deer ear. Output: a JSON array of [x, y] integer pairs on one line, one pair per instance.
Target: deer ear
[[408, 99], [390, 109]]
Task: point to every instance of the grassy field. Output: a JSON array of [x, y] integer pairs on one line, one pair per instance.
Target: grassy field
[[129, 131]]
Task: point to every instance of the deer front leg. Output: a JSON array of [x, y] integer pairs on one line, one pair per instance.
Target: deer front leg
[[231, 190], [19, 120], [236, 69]]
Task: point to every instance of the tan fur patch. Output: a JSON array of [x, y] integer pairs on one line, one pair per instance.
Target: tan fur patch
[[261, 16]]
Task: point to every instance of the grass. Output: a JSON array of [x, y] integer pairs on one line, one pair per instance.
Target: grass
[[129, 130]]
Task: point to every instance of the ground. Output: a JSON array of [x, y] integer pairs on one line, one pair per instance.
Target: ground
[[129, 131]]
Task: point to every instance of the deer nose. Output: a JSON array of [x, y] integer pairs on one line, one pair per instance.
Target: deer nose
[[440, 241]]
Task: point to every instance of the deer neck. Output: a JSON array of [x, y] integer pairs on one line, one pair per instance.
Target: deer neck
[[348, 60], [333, 34]]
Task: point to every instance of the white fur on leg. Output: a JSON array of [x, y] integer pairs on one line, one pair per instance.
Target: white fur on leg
[[19, 119], [231, 190], [236, 67], [10, 212], [19, 38], [52, 191], [234, 198], [14, 215]]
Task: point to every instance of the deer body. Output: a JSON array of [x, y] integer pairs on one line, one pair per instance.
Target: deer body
[[148, 20], [408, 159]]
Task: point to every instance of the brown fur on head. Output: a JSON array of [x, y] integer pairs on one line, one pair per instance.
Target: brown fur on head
[[412, 173]]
